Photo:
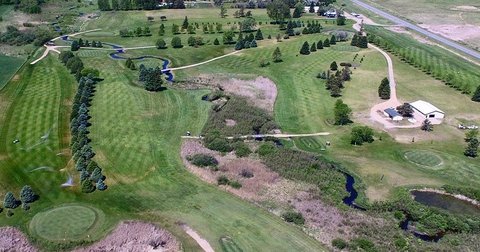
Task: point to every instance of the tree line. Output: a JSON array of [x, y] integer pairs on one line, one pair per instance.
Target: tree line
[[91, 176], [125, 5]]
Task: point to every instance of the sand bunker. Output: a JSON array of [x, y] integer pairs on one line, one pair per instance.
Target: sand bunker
[[12, 239], [135, 236], [465, 8], [202, 242]]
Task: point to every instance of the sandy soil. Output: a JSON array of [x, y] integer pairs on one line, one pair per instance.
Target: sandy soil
[[455, 32], [230, 122], [12, 239], [401, 29], [135, 236], [202, 242]]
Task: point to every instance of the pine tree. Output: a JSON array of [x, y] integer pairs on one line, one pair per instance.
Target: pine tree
[[333, 66], [354, 41], [10, 201], [384, 89], [426, 125], [161, 31], [91, 166], [84, 175], [326, 43], [27, 195], [75, 46], [253, 43], [161, 44], [216, 42], [115, 5], [313, 48], [259, 35], [472, 148], [101, 186], [305, 50], [319, 45], [476, 95], [333, 40], [185, 23], [363, 42], [277, 55], [87, 186], [96, 174]]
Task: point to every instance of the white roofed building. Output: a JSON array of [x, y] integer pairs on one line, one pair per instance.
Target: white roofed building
[[427, 109]]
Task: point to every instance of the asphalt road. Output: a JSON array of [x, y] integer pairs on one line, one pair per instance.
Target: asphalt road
[[442, 40]]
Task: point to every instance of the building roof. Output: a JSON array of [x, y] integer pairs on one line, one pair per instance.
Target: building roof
[[392, 112], [425, 107]]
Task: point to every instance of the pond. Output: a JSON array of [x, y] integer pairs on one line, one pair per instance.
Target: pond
[[446, 202]]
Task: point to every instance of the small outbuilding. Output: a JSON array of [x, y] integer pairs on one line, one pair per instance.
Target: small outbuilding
[[427, 109], [393, 114]]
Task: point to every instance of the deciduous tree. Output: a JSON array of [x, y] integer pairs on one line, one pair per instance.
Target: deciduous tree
[[405, 110], [342, 113]]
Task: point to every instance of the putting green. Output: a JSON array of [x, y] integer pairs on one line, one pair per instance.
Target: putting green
[[68, 222], [424, 158]]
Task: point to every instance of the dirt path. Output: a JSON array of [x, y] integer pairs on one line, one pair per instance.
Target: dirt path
[[202, 242], [268, 135]]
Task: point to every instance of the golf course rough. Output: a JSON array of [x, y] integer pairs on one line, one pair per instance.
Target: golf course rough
[[66, 222]]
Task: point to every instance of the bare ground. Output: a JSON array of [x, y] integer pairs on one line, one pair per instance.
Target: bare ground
[[12, 239], [276, 194], [455, 32], [135, 236]]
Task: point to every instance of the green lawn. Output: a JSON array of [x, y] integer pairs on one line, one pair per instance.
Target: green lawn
[[9, 67]]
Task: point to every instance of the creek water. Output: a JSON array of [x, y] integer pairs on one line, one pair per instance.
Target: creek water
[[446, 202]]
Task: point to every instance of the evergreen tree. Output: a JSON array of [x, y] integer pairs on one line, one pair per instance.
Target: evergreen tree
[[185, 23], [176, 42], [342, 113], [87, 186], [340, 20], [216, 42], [277, 55], [161, 44], [115, 5], [312, 7], [75, 46], [326, 43], [101, 186], [476, 95], [161, 31], [96, 174], [333, 40], [363, 42], [384, 89], [27, 195], [319, 44], [472, 148], [84, 175], [354, 41], [253, 44], [333, 66], [313, 48], [128, 63], [10, 201], [175, 29], [426, 125], [91, 166], [239, 45], [305, 50], [297, 12]]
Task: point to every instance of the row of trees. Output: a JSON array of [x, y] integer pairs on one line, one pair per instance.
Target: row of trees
[[91, 176], [125, 5], [77, 44], [307, 48], [27, 196], [13, 36], [151, 78], [247, 42], [138, 32]]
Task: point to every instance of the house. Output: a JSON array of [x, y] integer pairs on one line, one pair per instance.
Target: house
[[427, 110], [331, 13], [393, 114]]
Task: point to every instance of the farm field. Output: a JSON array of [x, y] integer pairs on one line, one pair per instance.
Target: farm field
[[457, 20], [136, 136]]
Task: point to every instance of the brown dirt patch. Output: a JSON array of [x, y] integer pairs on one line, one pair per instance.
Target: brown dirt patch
[[135, 236], [12, 239], [400, 29], [455, 32], [230, 122]]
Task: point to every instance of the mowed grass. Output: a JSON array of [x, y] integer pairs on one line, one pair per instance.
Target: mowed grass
[[69, 222], [9, 67], [423, 158]]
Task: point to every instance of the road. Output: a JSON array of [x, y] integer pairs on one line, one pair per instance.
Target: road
[[438, 38]]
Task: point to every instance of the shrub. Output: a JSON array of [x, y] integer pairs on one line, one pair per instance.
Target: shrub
[[246, 173], [293, 217], [202, 160], [9, 213], [401, 243], [219, 144], [222, 180], [235, 184], [339, 243], [364, 244], [266, 149], [242, 149], [25, 206]]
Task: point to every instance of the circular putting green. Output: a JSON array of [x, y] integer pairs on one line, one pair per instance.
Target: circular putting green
[[68, 222], [424, 158]]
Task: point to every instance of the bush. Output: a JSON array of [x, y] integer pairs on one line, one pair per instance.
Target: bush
[[25, 206], [401, 243], [235, 184], [246, 173], [339, 243], [266, 149], [293, 217], [364, 244], [222, 180], [202, 160], [242, 149], [361, 134], [9, 213], [219, 144]]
